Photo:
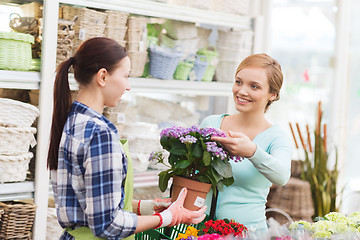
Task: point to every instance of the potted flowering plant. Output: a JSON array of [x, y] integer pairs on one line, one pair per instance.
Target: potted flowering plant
[[194, 156]]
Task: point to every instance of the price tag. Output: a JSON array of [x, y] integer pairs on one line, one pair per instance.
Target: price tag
[[82, 34], [199, 202], [120, 118]]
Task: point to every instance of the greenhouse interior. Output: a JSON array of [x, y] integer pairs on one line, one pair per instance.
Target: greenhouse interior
[[179, 119]]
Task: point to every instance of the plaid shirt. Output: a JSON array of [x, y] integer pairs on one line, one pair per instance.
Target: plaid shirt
[[89, 182]]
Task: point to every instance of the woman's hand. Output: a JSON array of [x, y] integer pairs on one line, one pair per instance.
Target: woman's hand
[[238, 144], [177, 214], [149, 207]]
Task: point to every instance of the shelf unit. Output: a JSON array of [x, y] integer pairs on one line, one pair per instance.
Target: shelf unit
[[44, 80]]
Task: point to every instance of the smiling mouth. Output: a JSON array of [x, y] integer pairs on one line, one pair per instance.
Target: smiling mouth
[[242, 100]]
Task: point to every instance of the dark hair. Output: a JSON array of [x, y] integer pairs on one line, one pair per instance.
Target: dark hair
[[92, 55], [273, 71]]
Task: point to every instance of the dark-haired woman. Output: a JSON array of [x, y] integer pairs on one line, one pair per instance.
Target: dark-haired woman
[[87, 161]]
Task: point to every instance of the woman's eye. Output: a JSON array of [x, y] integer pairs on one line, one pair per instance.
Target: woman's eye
[[254, 86], [237, 82]]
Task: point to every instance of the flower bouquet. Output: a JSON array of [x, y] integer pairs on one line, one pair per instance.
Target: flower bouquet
[[194, 156]]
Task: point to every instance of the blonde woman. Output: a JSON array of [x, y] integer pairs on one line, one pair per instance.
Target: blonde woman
[[265, 147]]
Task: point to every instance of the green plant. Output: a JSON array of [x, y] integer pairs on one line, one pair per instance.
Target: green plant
[[315, 168], [195, 156]]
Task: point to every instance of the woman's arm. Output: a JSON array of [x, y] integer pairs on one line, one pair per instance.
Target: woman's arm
[[274, 166]]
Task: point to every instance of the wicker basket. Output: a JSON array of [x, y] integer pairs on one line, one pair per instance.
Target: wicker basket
[[116, 33], [189, 46], [15, 51], [183, 70], [17, 220], [230, 54], [231, 6], [17, 114], [200, 66], [137, 23], [180, 30], [116, 19], [16, 140], [65, 40], [203, 35], [212, 58], [138, 60], [33, 9], [90, 23], [14, 168], [163, 62], [236, 40], [225, 71], [294, 198]]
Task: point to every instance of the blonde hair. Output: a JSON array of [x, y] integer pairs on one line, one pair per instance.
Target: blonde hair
[[273, 72]]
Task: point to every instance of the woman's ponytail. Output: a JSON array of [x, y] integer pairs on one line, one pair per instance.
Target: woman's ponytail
[[62, 103]]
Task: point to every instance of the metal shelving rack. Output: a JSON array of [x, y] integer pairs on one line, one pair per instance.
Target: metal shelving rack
[[43, 81]]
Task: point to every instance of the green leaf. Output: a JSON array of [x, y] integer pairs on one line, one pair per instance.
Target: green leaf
[[228, 181], [206, 158], [197, 150], [164, 177], [182, 164], [223, 168]]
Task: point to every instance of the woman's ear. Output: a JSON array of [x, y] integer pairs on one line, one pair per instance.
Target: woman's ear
[[273, 96], [101, 77]]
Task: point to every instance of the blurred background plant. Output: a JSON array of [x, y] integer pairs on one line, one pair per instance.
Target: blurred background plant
[[316, 169]]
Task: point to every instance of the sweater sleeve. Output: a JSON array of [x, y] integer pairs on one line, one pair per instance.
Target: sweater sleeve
[[276, 164]]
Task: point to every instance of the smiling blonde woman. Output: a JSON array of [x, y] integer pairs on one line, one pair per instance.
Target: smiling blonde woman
[[265, 147]]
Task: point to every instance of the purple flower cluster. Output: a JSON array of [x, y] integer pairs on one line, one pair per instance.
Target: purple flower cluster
[[189, 238], [188, 139], [215, 150], [174, 132], [212, 132]]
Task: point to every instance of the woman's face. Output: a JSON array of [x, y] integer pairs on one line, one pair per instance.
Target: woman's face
[[251, 90], [117, 83]]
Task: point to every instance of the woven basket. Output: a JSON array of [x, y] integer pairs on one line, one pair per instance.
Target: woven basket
[[163, 62], [136, 46], [183, 70], [200, 66], [116, 19], [14, 168], [65, 41], [294, 198], [116, 33], [137, 23], [17, 114], [203, 35], [189, 46], [225, 71], [230, 54], [16, 140], [180, 30], [212, 58], [15, 51], [33, 9], [17, 220], [90, 23], [231, 6], [138, 60], [237, 40]]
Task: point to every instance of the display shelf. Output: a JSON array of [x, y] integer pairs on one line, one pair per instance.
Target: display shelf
[[168, 11], [20, 190], [19, 79], [152, 85]]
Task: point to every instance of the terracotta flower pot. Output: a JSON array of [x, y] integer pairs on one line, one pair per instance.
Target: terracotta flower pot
[[196, 194]]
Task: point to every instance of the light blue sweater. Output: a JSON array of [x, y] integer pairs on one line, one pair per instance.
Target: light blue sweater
[[245, 199]]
